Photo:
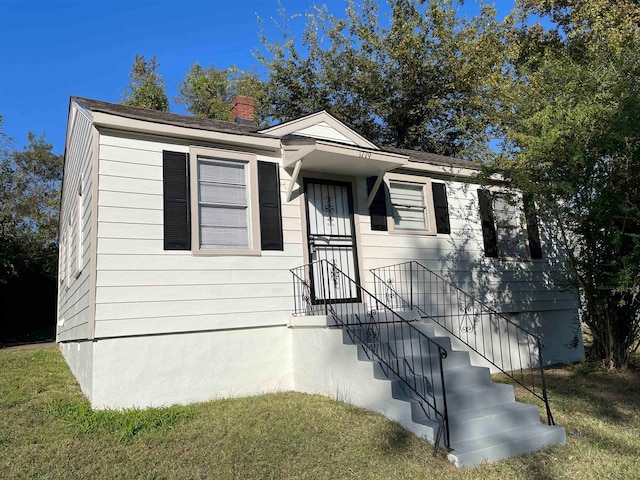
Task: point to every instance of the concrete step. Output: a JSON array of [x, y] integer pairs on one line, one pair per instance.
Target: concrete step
[[466, 376], [507, 443], [486, 421], [416, 365], [456, 380], [476, 397]]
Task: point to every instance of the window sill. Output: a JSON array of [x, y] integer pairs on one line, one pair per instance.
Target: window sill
[[397, 231], [226, 252]]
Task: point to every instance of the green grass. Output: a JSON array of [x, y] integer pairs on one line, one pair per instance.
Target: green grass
[[48, 431]]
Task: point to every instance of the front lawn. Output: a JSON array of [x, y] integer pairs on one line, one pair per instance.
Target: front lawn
[[48, 431]]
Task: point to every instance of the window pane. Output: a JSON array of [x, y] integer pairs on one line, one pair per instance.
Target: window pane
[[222, 172], [223, 237], [223, 216], [408, 194], [409, 219], [223, 194]]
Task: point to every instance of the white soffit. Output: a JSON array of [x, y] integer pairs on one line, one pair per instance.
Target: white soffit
[[321, 126], [327, 157]]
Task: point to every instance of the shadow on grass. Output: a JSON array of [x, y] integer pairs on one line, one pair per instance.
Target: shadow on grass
[[394, 439]]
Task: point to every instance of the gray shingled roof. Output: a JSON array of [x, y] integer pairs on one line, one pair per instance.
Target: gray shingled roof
[[167, 118], [189, 121], [432, 158]]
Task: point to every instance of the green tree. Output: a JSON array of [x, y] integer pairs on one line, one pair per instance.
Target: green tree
[[418, 79], [30, 185], [146, 87], [570, 116], [8, 240], [207, 92]]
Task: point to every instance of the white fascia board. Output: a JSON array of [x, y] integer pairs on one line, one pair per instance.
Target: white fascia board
[[101, 119], [441, 169], [314, 119]]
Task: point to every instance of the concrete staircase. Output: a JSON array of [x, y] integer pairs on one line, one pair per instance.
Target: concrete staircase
[[485, 422]]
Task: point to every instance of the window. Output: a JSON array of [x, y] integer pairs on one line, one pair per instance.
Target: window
[[225, 211], [220, 202], [413, 206], [409, 210], [223, 204], [509, 232], [80, 220], [69, 241], [503, 218], [62, 259]]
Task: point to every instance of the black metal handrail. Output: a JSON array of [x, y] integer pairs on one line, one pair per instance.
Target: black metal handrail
[[402, 351], [491, 335]]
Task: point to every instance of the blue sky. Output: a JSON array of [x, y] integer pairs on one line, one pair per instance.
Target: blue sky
[[53, 49]]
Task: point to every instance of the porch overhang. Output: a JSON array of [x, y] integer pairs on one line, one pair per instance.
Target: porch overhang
[[327, 157]]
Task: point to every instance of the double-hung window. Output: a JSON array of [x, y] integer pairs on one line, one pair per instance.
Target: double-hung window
[[225, 219], [509, 226], [510, 235], [411, 205], [223, 204], [409, 208]]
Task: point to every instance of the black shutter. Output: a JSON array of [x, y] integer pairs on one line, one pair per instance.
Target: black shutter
[[535, 247], [441, 207], [378, 208], [177, 215], [270, 210], [488, 226]]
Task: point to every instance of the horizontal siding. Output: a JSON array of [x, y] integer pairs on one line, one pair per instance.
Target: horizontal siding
[[73, 295], [214, 277], [188, 323], [507, 284], [141, 308], [142, 289], [188, 293]]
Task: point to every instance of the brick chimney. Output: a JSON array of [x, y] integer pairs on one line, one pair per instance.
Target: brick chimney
[[242, 110]]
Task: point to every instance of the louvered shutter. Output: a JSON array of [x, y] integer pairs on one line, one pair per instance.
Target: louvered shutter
[[488, 225], [270, 209], [378, 208], [177, 215], [441, 207], [535, 247]]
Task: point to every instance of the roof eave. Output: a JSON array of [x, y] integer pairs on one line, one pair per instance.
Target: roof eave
[[106, 120]]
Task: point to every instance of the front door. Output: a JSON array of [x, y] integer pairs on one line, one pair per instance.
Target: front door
[[331, 236]]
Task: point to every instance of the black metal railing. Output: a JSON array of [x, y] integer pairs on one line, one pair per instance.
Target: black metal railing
[[513, 350], [402, 351]]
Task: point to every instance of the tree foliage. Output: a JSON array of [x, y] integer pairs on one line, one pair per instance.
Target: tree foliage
[[30, 185], [146, 87], [208, 92], [571, 122], [415, 80]]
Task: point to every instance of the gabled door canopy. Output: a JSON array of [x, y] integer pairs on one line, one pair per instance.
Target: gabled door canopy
[[339, 159], [321, 143]]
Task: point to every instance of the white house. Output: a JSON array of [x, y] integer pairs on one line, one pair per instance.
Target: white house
[[179, 236]]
